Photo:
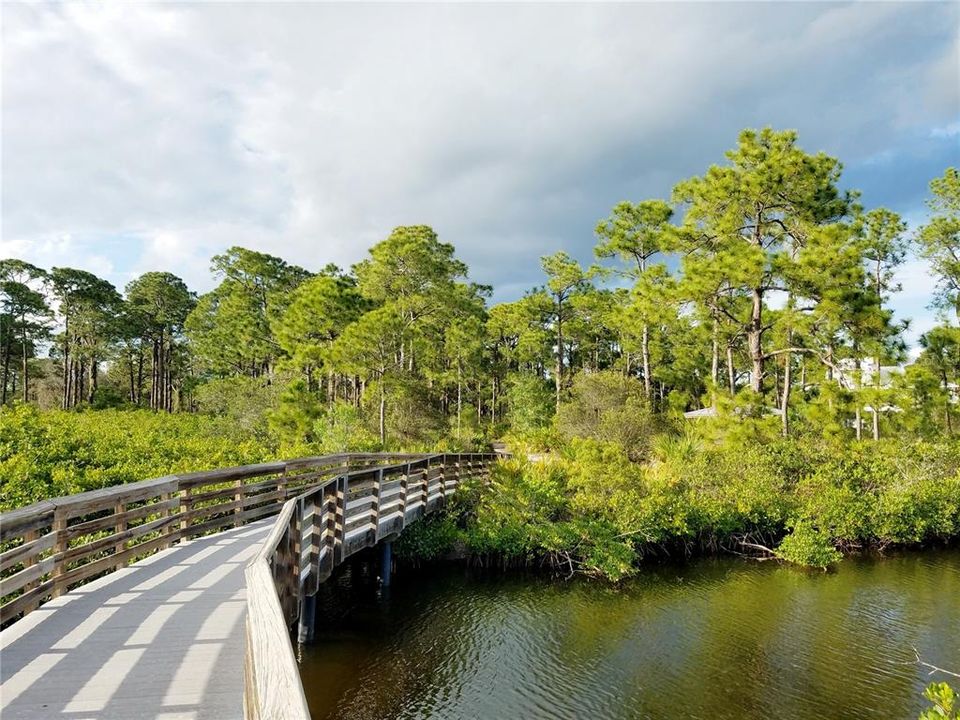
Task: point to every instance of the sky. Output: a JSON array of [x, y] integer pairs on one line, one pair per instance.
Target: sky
[[141, 137]]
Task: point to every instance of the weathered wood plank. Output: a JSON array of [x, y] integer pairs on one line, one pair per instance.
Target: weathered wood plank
[[32, 517], [85, 503], [28, 549], [25, 602], [276, 690], [107, 521], [211, 477], [114, 540], [17, 581]]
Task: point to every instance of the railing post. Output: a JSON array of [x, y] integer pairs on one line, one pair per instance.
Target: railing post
[[119, 509], [339, 518], [186, 505], [167, 513], [30, 561], [425, 487], [403, 496], [238, 499], [60, 546], [376, 514], [330, 518], [443, 479]]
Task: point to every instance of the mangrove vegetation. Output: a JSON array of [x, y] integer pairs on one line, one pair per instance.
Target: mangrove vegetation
[[727, 375]]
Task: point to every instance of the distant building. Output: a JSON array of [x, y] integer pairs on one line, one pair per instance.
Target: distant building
[[850, 369], [709, 412]]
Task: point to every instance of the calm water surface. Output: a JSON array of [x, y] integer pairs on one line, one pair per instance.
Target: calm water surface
[[714, 639]]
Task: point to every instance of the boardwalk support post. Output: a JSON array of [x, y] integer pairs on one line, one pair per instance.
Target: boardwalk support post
[[308, 609], [386, 562]]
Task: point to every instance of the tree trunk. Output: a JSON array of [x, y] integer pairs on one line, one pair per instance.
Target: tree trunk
[[785, 404], [754, 342], [858, 421], [79, 366], [25, 381], [876, 384], [154, 378], [131, 379], [139, 375], [7, 346], [91, 380], [167, 377], [65, 395], [383, 412], [714, 359], [559, 372], [645, 349], [459, 397], [731, 371]]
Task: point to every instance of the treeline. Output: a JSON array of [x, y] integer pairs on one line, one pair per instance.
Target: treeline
[[760, 289]]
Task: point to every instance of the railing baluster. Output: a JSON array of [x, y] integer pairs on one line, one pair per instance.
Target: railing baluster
[[404, 480], [168, 528], [339, 520], [60, 546], [119, 509], [376, 513], [28, 562], [186, 505], [238, 496]]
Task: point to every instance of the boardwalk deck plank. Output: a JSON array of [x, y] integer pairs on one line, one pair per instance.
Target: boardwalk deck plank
[[126, 647]]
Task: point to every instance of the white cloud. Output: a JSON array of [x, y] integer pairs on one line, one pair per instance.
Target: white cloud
[[158, 135]]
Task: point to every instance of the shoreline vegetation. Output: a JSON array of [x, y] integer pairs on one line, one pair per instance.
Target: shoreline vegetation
[[728, 376], [590, 510]]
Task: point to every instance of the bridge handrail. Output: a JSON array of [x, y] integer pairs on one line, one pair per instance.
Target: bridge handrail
[[54, 545], [314, 533]]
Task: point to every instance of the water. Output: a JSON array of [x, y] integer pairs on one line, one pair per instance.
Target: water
[[717, 638]]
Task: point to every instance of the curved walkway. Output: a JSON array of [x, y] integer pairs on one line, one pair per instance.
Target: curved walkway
[[162, 638]]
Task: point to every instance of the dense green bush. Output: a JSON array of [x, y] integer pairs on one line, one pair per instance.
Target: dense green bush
[[589, 508], [946, 704], [46, 454], [808, 546], [611, 407], [246, 403]]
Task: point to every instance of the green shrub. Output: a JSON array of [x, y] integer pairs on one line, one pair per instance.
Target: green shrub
[[946, 704], [809, 547], [50, 453], [429, 539], [609, 407], [341, 428]]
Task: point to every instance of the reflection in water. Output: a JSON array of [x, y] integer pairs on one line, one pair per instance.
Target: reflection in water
[[717, 638]]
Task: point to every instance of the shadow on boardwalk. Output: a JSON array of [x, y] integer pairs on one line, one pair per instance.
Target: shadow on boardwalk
[[160, 639]]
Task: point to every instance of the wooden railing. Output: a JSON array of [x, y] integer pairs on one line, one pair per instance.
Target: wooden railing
[[312, 534], [52, 546]]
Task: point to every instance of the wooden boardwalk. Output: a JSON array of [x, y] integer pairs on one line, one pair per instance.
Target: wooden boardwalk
[[162, 638], [98, 627]]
